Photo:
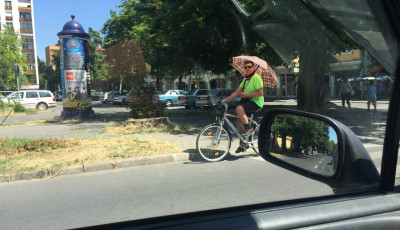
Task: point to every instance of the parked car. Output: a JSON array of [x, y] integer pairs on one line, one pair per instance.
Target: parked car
[[120, 99], [189, 99], [58, 95], [207, 100], [5, 93], [169, 97], [32, 99], [139, 91], [108, 97]]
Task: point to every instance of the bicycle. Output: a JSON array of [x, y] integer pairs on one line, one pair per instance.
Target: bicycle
[[214, 141]]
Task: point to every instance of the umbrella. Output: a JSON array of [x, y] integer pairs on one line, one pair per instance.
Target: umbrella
[[262, 68]]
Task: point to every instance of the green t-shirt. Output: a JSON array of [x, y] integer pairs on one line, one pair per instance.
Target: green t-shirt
[[252, 86]]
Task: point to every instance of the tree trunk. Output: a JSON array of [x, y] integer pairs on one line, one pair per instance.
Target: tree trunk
[[306, 97], [180, 85]]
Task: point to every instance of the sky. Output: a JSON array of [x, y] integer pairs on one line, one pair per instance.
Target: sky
[[51, 15]]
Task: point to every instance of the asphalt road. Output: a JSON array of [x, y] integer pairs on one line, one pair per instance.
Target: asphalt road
[[148, 191]]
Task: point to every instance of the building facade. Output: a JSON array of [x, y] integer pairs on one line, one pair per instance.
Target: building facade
[[125, 63], [50, 50], [19, 14]]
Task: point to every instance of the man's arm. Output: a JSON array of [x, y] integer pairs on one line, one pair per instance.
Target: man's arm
[[233, 95], [258, 93]]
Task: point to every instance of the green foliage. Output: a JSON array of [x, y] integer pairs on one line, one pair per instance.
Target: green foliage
[[143, 107], [10, 55], [304, 132], [18, 108], [185, 37]]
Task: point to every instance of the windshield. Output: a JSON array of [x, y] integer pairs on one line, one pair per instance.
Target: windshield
[[84, 159]]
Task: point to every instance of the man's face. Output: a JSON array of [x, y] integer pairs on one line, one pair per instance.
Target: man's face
[[249, 68]]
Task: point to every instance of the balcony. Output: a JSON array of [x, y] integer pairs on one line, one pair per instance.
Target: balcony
[[26, 30], [31, 71], [8, 7], [27, 51], [24, 9], [30, 61], [21, 19], [32, 82], [9, 18], [27, 40]]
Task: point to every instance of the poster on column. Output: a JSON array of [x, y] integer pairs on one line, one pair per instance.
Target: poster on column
[[76, 87], [75, 80]]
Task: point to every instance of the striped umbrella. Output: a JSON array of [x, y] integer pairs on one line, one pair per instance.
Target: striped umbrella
[[262, 68]]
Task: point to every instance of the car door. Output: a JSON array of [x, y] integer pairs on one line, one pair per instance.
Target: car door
[[31, 99]]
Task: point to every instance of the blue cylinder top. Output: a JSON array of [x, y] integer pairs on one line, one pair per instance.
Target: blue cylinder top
[[73, 28]]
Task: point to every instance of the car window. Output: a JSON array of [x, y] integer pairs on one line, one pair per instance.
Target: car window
[[45, 94], [191, 92], [334, 58], [32, 95], [15, 95]]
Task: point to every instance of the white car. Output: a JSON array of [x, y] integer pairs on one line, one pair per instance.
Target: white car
[[32, 99]]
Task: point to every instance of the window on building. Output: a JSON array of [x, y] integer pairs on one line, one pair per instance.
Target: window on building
[[9, 24], [27, 46], [31, 67], [8, 3], [26, 25], [31, 57], [25, 15]]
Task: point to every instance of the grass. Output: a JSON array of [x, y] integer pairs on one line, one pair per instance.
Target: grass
[[132, 129], [22, 154]]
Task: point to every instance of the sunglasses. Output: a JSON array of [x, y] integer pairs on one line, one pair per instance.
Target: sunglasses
[[248, 67]]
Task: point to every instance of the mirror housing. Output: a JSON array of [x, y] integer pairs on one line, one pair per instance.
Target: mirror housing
[[353, 165]]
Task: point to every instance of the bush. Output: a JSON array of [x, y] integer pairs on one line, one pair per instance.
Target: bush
[[144, 108], [18, 108]]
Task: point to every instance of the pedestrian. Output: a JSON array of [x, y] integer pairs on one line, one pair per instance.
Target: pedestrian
[[345, 92], [371, 95]]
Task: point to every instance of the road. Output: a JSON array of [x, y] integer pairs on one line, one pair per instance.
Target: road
[[146, 191]]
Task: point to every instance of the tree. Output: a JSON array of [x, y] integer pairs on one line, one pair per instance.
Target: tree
[[95, 56], [304, 132], [178, 37], [286, 25], [49, 79], [11, 55]]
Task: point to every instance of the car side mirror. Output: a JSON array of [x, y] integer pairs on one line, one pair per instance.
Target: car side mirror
[[317, 147]]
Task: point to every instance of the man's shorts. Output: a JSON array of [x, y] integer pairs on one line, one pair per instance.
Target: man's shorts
[[250, 107], [373, 100]]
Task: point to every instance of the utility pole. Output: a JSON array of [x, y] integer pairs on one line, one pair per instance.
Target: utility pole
[[16, 69]]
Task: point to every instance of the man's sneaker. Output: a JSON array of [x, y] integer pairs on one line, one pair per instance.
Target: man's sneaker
[[240, 149]]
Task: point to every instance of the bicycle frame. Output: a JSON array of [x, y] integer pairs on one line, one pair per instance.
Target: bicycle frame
[[232, 126]]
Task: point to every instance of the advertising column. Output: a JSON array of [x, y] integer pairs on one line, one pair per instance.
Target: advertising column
[[74, 70], [77, 102]]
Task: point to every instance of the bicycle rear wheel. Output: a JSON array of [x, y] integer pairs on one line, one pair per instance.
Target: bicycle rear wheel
[[212, 143]]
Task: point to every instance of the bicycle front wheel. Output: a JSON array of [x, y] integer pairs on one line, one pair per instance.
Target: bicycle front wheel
[[213, 143]]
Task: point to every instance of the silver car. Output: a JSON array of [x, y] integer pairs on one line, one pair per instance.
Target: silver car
[[209, 98]]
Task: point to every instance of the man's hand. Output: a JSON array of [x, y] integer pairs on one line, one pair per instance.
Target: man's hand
[[243, 94]]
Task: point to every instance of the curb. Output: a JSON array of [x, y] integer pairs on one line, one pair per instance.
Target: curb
[[100, 166]]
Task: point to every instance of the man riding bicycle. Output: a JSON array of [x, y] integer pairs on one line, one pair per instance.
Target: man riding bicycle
[[252, 94]]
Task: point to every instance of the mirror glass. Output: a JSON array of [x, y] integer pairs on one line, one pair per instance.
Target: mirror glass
[[305, 143]]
